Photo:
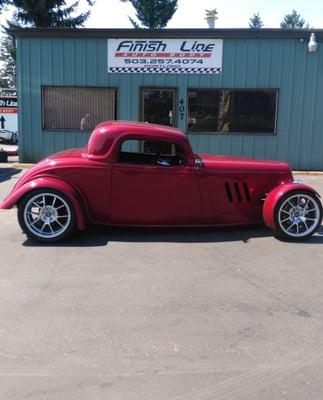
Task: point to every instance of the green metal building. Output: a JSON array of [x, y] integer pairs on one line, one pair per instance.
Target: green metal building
[[244, 92]]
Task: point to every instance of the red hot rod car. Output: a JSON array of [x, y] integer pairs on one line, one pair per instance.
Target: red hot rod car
[[137, 174]]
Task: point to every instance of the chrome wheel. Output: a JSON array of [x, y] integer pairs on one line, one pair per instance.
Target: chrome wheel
[[47, 215], [299, 215]]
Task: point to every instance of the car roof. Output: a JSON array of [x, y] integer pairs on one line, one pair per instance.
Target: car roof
[[142, 128], [108, 133]]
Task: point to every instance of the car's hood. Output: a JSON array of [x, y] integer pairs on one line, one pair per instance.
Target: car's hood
[[239, 164]]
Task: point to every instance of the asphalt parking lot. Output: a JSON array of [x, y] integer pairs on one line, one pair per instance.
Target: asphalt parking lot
[[126, 314]]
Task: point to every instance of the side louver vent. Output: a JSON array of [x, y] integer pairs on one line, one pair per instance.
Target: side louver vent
[[246, 191], [237, 192], [229, 194]]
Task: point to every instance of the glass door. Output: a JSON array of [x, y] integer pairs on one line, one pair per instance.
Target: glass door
[[158, 106]]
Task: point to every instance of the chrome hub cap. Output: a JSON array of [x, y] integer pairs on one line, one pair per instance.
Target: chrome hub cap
[[299, 215], [47, 215]]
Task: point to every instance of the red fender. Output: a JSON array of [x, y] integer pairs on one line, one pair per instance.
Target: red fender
[[49, 183], [275, 195]]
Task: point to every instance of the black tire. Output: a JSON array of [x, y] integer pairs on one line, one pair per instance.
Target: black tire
[[297, 223], [47, 223], [14, 138]]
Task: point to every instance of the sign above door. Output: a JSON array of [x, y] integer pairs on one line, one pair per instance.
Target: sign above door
[[179, 56]]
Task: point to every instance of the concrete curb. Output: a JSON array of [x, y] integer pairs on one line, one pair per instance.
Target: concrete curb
[[21, 165], [308, 173]]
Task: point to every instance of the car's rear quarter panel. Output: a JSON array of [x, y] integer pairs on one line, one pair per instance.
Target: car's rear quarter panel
[[92, 181]]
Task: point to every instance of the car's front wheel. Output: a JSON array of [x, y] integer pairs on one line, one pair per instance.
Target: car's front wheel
[[46, 215], [298, 215]]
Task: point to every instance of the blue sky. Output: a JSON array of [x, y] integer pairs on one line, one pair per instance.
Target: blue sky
[[190, 13]]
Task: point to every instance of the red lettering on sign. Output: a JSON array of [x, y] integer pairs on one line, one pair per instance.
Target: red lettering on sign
[[8, 110], [163, 55]]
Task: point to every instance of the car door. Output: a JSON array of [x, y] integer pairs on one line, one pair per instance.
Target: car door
[[145, 192]]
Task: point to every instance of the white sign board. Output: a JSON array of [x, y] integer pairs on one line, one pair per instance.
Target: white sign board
[[8, 114], [179, 56]]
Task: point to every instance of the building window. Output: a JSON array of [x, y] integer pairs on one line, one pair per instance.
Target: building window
[[76, 108], [232, 110]]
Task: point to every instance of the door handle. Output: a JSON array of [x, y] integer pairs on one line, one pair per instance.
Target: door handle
[[170, 115]]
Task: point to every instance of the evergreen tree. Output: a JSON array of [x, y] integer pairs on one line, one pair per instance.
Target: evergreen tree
[[153, 14], [47, 13], [8, 58], [293, 21], [40, 14], [255, 22]]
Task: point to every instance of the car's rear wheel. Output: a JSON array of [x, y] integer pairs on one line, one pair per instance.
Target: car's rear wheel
[[298, 215], [46, 215]]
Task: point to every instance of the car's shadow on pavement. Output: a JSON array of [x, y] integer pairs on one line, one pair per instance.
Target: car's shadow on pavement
[[96, 236], [7, 172]]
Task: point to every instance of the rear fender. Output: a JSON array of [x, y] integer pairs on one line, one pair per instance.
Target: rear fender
[[50, 183], [275, 195]]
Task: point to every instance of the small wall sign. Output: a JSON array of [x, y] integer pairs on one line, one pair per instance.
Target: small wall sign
[[8, 113]]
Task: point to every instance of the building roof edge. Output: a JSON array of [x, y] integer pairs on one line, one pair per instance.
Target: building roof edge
[[236, 33]]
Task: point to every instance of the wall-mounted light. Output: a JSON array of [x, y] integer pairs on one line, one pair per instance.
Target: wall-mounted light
[[312, 44]]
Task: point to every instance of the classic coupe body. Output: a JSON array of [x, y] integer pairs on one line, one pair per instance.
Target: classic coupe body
[[138, 174]]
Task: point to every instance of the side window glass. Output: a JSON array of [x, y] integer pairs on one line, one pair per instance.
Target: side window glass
[[151, 152]]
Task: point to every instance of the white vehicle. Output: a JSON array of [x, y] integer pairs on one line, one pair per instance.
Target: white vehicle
[[8, 116], [8, 136]]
